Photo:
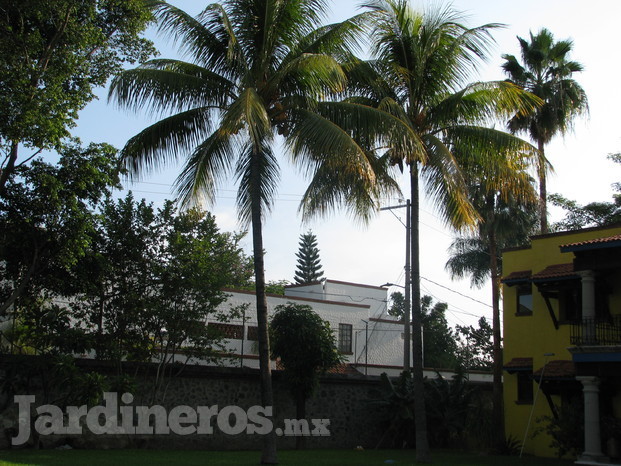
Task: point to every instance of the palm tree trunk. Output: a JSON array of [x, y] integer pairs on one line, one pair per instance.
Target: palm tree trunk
[[300, 408], [543, 189], [423, 455], [498, 424], [268, 455]]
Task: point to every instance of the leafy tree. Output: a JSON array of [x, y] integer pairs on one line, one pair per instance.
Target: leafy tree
[[593, 214], [306, 347], [309, 264], [547, 72], [259, 69], [52, 57], [46, 221], [476, 345], [153, 278], [422, 61], [439, 346]]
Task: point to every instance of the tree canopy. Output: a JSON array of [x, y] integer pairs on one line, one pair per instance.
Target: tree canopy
[[52, 57]]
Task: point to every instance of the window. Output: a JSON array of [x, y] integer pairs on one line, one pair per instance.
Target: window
[[570, 304], [345, 337], [524, 387], [253, 333], [524, 300], [230, 331]]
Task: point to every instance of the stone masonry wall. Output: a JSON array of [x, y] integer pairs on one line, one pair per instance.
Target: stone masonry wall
[[344, 399]]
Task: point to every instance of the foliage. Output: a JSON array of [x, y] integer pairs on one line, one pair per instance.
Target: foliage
[[439, 345], [46, 221], [439, 340], [449, 409], [52, 57], [305, 346], [567, 429], [476, 346], [152, 280], [546, 72], [309, 264], [593, 214]]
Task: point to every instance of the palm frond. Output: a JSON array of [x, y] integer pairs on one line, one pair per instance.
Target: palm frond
[[209, 163], [445, 184], [166, 140], [257, 174], [169, 86]]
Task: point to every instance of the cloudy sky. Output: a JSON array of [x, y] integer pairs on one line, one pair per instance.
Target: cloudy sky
[[374, 254]]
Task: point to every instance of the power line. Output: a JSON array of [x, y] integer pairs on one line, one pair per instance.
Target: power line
[[457, 292]]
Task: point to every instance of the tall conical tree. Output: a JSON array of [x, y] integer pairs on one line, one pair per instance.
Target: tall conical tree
[[309, 264]]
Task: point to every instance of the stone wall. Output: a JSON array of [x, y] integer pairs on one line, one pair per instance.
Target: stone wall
[[344, 399]]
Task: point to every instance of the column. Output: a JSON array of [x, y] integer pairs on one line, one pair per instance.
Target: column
[[588, 307], [592, 438]]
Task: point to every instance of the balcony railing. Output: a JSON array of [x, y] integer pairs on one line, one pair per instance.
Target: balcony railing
[[597, 332]]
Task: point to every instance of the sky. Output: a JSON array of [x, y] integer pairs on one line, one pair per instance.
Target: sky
[[374, 254]]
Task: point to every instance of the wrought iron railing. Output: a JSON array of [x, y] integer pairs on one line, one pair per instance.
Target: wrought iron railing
[[596, 332]]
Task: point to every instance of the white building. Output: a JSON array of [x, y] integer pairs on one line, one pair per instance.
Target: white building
[[370, 339]]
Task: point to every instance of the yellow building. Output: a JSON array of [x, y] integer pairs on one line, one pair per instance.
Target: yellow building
[[562, 338]]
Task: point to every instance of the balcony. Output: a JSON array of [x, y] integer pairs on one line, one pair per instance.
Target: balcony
[[597, 332]]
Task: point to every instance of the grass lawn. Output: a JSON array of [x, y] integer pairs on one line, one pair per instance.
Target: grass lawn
[[241, 458]]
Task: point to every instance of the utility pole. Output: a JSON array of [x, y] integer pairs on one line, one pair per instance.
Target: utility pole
[[407, 335]]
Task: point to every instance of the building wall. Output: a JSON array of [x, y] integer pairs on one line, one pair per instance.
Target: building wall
[[376, 337], [535, 335]]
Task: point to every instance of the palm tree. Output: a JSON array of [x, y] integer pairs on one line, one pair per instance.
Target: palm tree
[[506, 201], [547, 73], [419, 72], [259, 69]]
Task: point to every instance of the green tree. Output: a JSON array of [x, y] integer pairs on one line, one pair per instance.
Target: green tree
[[309, 263], [593, 214], [547, 72], [46, 221], [260, 69], [422, 62], [152, 279], [476, 347], [439, 346], [52, 57], [306, 347]]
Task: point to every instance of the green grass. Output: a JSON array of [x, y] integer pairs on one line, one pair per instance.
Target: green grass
[[241, 458]]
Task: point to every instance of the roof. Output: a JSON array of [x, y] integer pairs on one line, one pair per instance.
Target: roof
[[556, 271], [557, 369], [596, 243], [519, 364], [518, 276]]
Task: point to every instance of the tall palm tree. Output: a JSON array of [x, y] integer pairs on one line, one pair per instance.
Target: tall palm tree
[[419, 73], [546, 72], [258, 69], [506, 202]]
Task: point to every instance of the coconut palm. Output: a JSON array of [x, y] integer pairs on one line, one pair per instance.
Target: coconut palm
[[419, 72], [546, 72], [258, 69], [506, 201]]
